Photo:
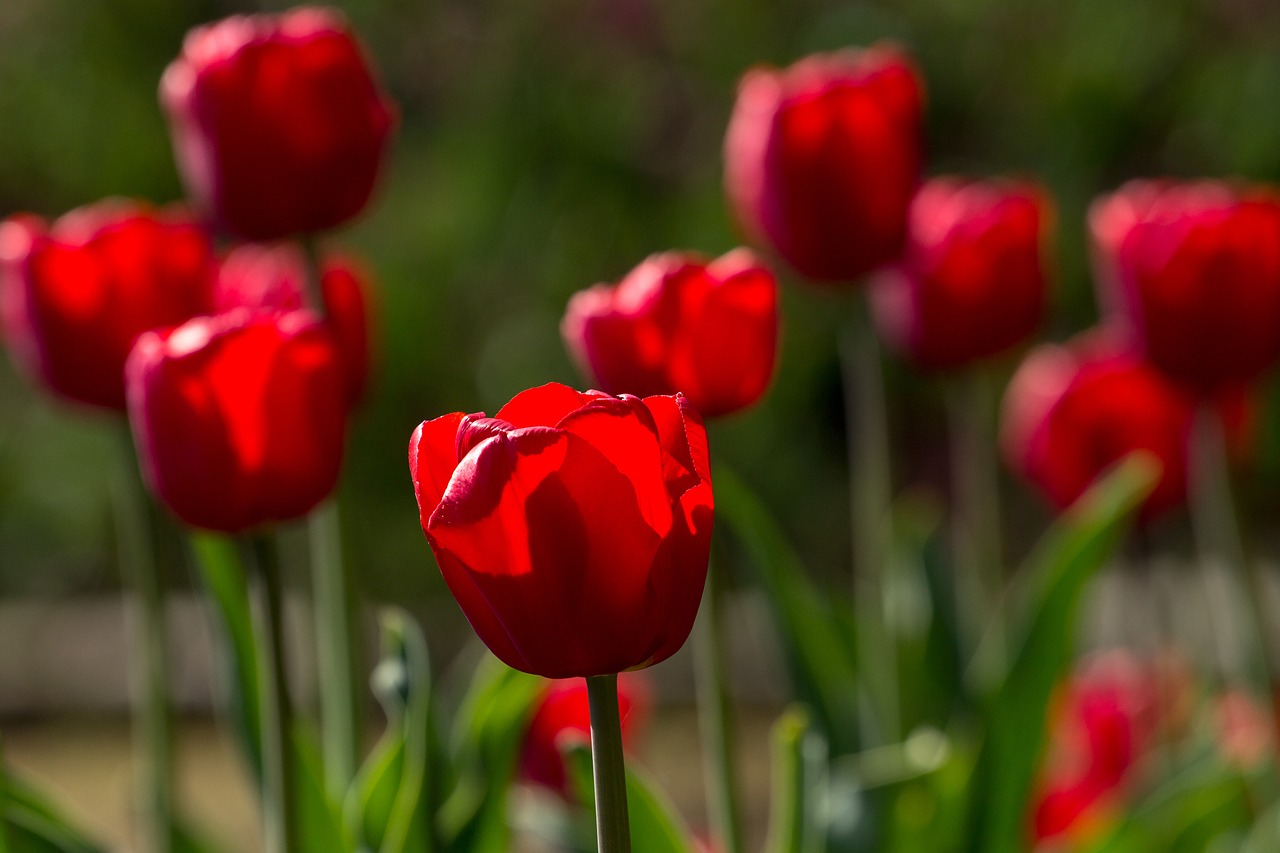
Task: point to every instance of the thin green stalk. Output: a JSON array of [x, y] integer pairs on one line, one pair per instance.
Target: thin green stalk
[[5, 847], [148, 658], [1217, 533], [872, 519], [715, 716], [334, 644], [613, 829], [975, 490], [279, 816]]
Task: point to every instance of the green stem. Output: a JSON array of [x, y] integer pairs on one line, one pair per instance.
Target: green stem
[[1217, 532], [715, 716], [5, 847], [279, 816], [334, 644], [613, 830], [149, 661], [312, 274], [975, 489], [871, 515]]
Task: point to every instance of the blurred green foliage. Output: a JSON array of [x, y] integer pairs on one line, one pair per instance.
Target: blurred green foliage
[[549, 145]]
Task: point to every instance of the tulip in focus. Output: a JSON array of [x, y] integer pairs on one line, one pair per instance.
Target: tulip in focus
[[1193, 272], [76, 294], [1073, 411], [572, 528], [822, 159], [562, 712], [1103, 722], [971, 280], [279, 126], [274, 278], [677, 323], [239, 419]]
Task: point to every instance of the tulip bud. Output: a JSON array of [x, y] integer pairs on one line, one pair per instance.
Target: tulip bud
[[261, 277], [679, 324], [278, 124], [822, 158], [573, 528], [563, 712], [239, 419], [971, 280], [1192, 273], [77, 294], [1072, 411]]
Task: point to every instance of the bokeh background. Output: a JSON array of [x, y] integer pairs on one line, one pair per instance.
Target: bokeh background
[[546, 146]]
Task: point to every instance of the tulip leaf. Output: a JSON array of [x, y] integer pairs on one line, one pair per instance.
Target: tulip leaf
[[1041, 617], [32, 825], [818, 653], [792, 828], [390, 806], [227, 588], [488, 734], [319, 818], [655, 825]]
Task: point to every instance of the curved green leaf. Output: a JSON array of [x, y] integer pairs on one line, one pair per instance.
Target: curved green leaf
[[656, 826]]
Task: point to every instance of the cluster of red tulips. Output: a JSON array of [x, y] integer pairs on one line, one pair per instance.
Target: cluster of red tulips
[[574, 528]]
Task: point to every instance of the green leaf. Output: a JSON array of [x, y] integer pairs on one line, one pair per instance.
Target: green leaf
[[488, 734], [818, 654], [390, 806], [655, 825], [33, 825], [792, 828], [320, 826], [1042, 622], [226, 586]]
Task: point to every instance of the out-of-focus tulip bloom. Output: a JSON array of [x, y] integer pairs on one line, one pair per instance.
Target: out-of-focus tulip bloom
[[573, 528], [1246, 731], [1072, 411], [77, 294], [273, 278], [1193, 272], [971, 280], [239, 419], [822, 158], [679, 324], [278, 124], [1103, 722], [564, 712]]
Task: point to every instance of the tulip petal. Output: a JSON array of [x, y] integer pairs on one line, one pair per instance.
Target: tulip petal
[[432, 457], [543, 406]]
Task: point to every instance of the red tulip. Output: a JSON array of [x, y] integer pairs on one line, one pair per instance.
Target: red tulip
[[573, 528], [821, 159], [1246, 731], [77, 294], [1104, 721], [239, 419], [971, 281], [279, 126], [274, 277], [1193, 272], [1072, 411], [679, 324], [563, 712]]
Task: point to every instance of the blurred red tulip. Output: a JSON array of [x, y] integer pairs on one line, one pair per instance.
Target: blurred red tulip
[[1245, 727], [239, 419], [273, 277], [971, 281], [1072, 411], [278, 124], [1193, 271], [822, 158], [563, 711], [1103, 721], [677, 323], [573, 528], [77, 294]]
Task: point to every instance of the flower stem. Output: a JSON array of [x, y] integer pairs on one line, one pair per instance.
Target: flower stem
[[1218, 535], [715, 716], [871, 514], [5, 846], [613, 830], [975, 489], [333, 621], [279, 816], [149, 660]]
